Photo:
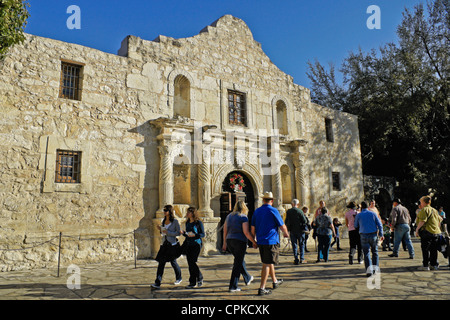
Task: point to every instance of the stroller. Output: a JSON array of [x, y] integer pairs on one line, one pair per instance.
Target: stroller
[[444, 246]]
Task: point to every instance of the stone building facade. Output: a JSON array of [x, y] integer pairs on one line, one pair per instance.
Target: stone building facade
[[95, 144]]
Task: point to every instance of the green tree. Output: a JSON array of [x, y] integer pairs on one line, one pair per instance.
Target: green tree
[[13, 19], [400, 93]]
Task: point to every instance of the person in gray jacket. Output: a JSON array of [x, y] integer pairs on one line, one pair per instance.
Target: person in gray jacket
[[400, 224], [169, 250]]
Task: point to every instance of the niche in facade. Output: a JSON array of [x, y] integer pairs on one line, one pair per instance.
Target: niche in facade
[[182, 97], [181, 184], [282, 123], [286, 184]]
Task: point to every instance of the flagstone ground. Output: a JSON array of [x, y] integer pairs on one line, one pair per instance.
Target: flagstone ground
[[400, 279]]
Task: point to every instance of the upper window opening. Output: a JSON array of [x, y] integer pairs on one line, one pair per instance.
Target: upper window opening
[[237, 108], [70, 84]]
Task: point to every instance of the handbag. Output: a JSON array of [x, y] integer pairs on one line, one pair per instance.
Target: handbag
[[183, 248], [305, 228], [168, 252], [178, 250]]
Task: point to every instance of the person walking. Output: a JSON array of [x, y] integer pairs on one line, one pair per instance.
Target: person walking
[[266, 221], [318, 211], [325, 229], [337, 240], [169, 250], [444, 223], [373, 207], [296, 225], [236, 231], [428, 229], [387, 234], [194, 233], [370, 228], [305, 212], [353, 234], [400, 221]]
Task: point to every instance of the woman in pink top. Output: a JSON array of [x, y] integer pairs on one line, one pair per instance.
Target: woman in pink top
[[353, 233]]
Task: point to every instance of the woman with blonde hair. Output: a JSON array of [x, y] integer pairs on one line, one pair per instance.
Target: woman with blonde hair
[[194, 233], [235, 234]]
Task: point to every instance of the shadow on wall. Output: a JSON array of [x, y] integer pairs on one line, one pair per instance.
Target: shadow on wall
[[149, 185], [339, 155]]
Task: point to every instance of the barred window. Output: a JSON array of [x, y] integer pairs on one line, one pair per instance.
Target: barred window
[[70, 81], [68, 166], [237, 108], [336, 180]]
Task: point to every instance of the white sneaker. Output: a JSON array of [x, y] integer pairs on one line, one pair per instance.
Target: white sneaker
[[178, 281], [155, 286], [235, 290], [424, 268], [250, 281]]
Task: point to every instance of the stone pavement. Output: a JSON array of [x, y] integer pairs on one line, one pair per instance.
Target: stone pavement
[[399, 279]]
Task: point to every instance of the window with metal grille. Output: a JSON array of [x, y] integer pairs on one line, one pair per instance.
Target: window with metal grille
[[68, 166], [70, 81], [336, 180], [237, 108]]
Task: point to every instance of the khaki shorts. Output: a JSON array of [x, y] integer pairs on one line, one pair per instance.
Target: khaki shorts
[[269, 253]]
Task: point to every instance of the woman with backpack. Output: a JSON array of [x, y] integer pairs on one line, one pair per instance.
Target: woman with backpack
[[325, 230]]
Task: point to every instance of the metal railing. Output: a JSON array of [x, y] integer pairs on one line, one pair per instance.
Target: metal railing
[[60, 236]]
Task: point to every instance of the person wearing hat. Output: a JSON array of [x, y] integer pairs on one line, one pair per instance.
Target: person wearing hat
[[400, 221], [264, 226]]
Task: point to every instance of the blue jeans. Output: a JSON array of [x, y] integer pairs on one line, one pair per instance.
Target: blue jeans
[[369, 243], [402, 231], [298, 239], [160, 271], [238, 249], [323, 246]]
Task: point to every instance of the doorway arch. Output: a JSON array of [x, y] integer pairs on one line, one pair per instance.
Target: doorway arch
[[384, 202], [248, 190], [229, 197]]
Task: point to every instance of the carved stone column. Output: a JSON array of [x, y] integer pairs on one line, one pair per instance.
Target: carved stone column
[[277, 190], [298, 156], [204, 186], [165, 177], [300, 188]]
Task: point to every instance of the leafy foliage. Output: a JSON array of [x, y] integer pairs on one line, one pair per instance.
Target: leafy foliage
[[13, 19], [400, 93]]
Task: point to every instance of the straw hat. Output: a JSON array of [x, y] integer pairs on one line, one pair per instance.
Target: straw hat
[[268, 195]]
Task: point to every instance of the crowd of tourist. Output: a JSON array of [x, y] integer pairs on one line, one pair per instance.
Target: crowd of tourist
[[367, 231]]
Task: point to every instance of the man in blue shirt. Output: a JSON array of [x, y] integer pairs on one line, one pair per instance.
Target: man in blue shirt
[[370, 228], [265, 223]]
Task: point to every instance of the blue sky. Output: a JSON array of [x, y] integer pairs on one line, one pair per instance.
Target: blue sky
[[291, 32]]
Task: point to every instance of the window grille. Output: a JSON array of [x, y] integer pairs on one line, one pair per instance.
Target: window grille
[[237, 108], [68, 166], [70, 81]]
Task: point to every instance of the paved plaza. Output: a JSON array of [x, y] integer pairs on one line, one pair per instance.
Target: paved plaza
[[399, 279]]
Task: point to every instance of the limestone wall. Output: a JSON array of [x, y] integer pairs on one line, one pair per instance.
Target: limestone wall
[[324, 157], [120, 93], [35, 122]]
